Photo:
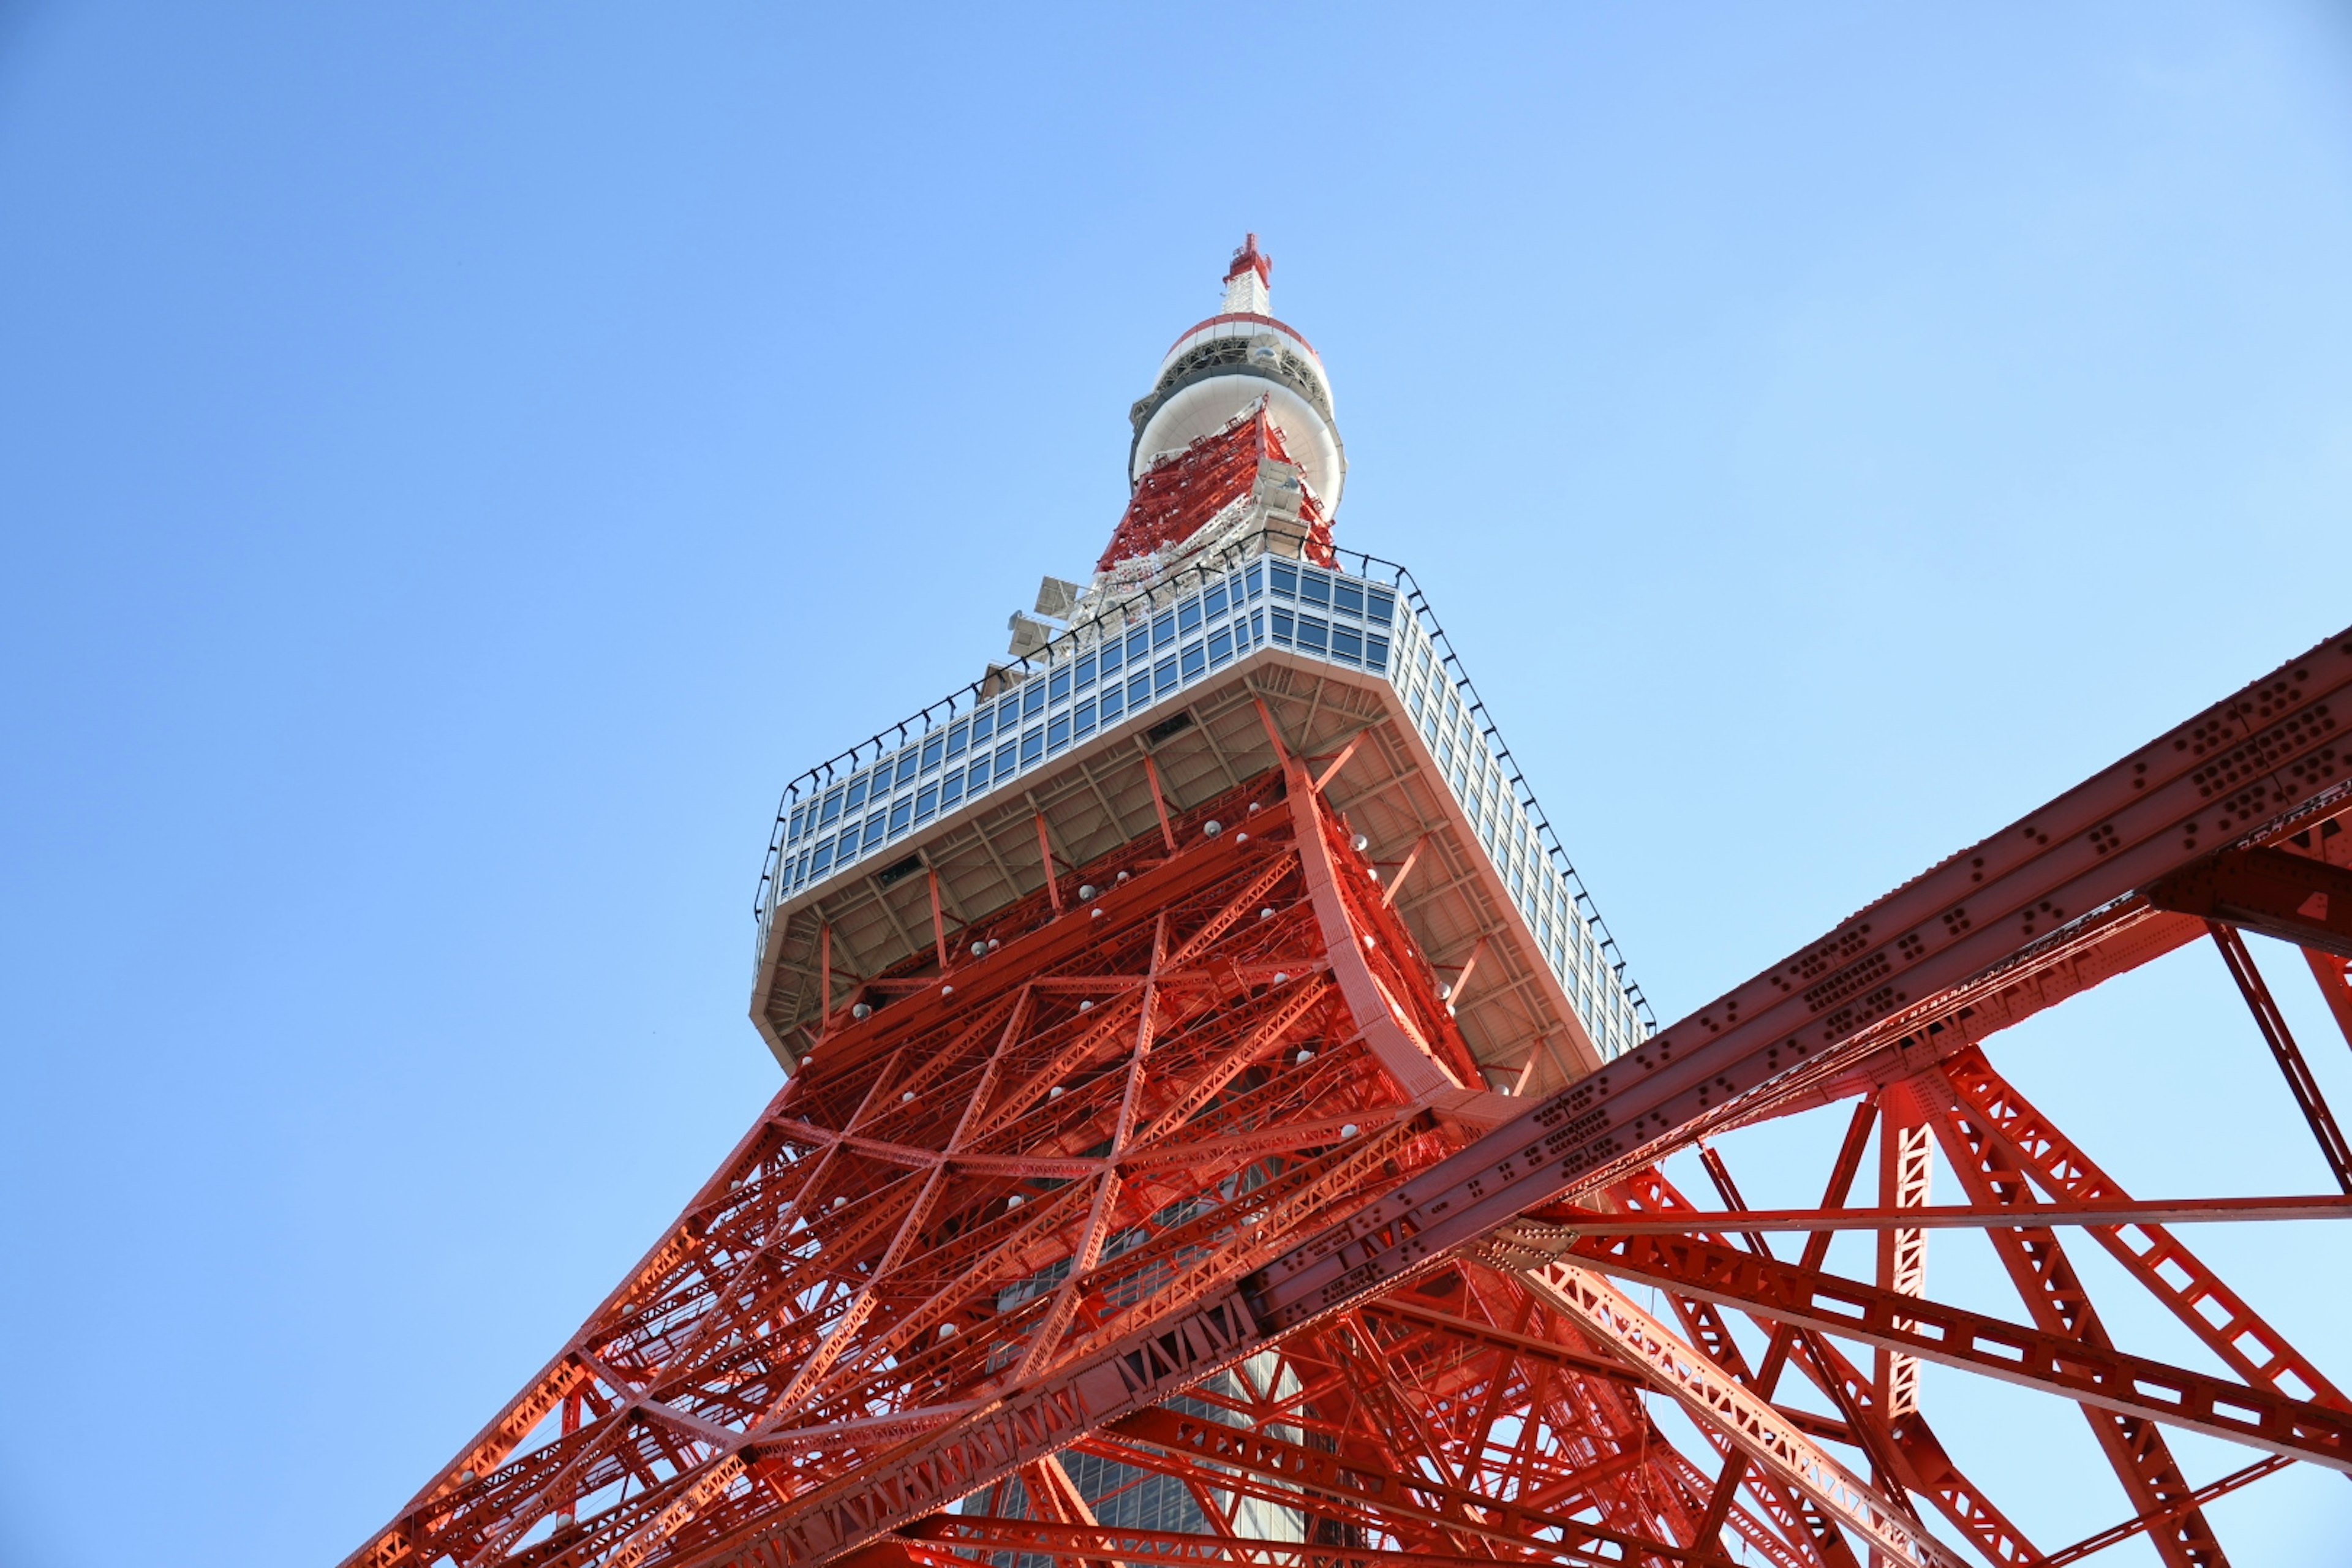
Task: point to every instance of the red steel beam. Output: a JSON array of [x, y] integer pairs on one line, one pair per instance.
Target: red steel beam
[[2058, 1302], [2115, 1534], [2334, 977], [2087, 1374], [2185, 1283], [2294, 898], [1078, 1543], [2289, 1056], [1953, 1216], [1907, 1450]]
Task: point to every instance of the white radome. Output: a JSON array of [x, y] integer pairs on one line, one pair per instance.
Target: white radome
[[1208, 405]]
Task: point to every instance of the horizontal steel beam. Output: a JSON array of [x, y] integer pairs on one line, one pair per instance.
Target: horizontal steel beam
[[1125, 1543], [1932, 1331], [1951, 1216]]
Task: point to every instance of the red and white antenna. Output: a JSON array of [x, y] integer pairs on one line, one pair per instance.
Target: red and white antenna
[[1249, 285]]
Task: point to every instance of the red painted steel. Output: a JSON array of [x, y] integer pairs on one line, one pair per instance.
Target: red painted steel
[[2057, 1302], [1178, 494], [2275, 1033], [1188, 1201], [1962, 1216], [2334, 977]]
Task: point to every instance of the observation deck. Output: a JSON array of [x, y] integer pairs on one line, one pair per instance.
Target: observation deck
[[1151, 703]]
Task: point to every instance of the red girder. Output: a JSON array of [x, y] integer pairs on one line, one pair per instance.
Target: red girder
[[2165, 1267], [2334, 976], [1962, 1216], [1905, 1447], [2055, 1298], [1178, 494], [2271, 1022], [2056, 1363], [1079, 1544], [2297, 898]]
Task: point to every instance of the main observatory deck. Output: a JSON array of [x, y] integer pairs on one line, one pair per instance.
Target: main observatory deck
[[1158, 691]]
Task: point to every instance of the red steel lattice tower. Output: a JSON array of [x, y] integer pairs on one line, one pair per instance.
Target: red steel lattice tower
[[1217, 1128]]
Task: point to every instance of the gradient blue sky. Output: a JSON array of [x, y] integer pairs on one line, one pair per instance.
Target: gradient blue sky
[[458, 461]]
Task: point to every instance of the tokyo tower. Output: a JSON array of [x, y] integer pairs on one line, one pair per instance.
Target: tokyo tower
[[1218, 1129]]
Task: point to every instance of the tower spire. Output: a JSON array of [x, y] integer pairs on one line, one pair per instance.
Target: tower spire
[[1249, 282], [1220, 369]]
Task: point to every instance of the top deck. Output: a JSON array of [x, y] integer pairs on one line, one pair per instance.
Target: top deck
[[1347, 652]]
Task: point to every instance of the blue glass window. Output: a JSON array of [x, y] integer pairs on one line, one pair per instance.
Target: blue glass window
[[1163, 628], [873, 826], [1033, 699], [1315, 588], [926, 802], [1058, 731], [1110, 655], [1382, 604], [1216, 600], [1008, 711], [983, 724], [794, 830], [1060, 686], [1282, 626], [1138, 688], [1256, 586], [1112, 702], [856, 794], [1195, 660], [1310, 633], [1003, 760], [1221, 646], [1348, 598], [1085, 673], [978, 773], [1346, 644], [1163, 674], [907, 762], [902, 814], [931, 750], [1376, 652], [1286, 580], [1086, 718], [1032, 746], [952, 788], [1257, 626], [1187, 615], [822, 859]]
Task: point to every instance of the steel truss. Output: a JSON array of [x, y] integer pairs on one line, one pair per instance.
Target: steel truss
[[1173, 1191]]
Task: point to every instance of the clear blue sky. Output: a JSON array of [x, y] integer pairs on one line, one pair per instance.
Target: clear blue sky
[[458, 461]]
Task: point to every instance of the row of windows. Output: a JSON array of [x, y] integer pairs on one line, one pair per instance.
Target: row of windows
[[1084, 691], [1347, 601], [1474, 772]]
